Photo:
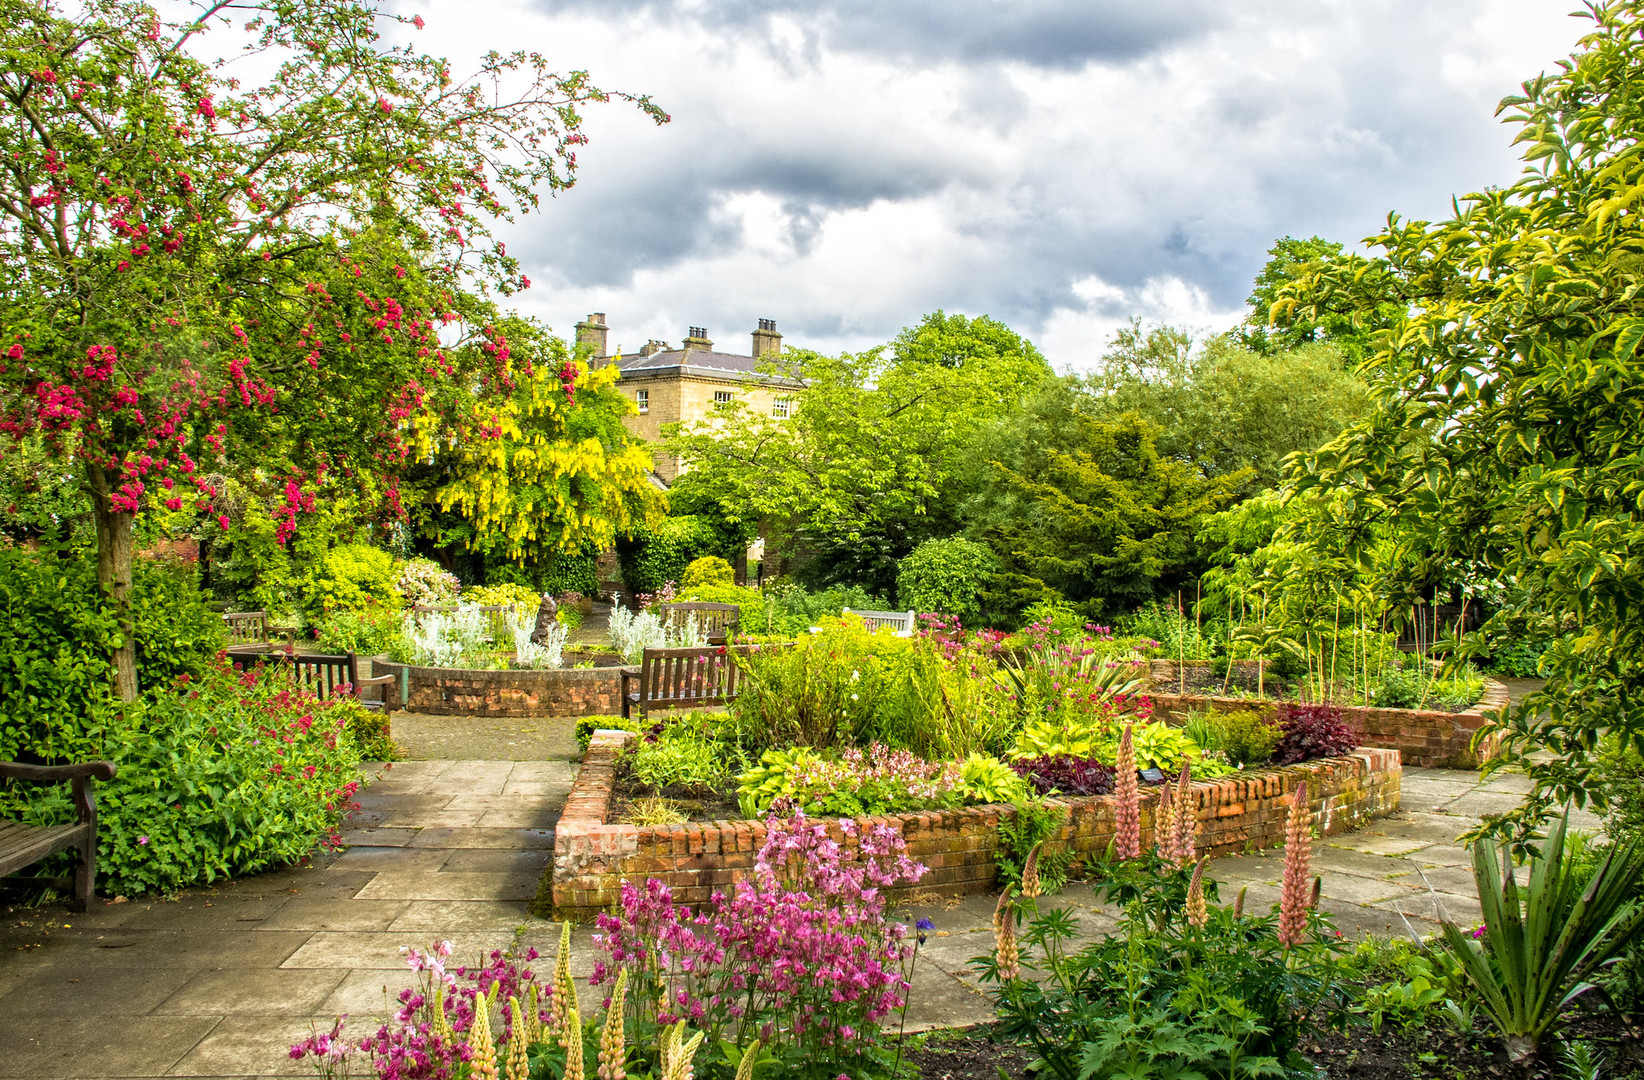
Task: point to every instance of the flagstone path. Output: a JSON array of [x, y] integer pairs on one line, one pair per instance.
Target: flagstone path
[[219, 982]]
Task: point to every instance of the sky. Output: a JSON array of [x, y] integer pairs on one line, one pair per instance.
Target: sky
[[846, 166]]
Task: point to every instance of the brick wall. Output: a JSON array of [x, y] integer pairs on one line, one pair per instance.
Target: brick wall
[[1238, 813], [1427, 739], [469, 692]]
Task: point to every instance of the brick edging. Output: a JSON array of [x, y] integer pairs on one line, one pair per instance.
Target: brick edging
[[1424, 737], [1236, 813]]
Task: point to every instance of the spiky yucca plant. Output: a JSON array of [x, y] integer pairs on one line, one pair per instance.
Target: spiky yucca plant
[[1541, 945]]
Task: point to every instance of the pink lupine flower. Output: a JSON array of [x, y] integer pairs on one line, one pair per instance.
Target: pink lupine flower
[[1127, 800], [1006, 953], [1298, 852], [1164, 826], [1183, 843], [1197, 913]]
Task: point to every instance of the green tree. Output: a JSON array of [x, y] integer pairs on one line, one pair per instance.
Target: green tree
[[195, 273], [1224, 408], [946, 574], [1084, 507], [1508, 425], [1349, 325]]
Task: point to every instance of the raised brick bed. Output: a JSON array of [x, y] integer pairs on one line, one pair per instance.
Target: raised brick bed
[[472, 692], [1237, 813], [1428, 739]]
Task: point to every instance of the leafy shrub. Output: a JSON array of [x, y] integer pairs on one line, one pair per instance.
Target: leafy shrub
[[587, 725], [352, 577], [1517, 659], [985, 779], [1031, 825], [226, 776], [1175, 634], [59, 632], [372, 632], [876, 781], [791, 610], [750, 604], [1245, 736], [821, 692], [1064, 774], [1312, 731], [523, 597], [706, 572], [1400, 688], [945, 575], [424, 581], [1170, 993], [681, 759], [661, 555]]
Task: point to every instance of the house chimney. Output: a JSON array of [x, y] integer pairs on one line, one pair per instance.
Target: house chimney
[[593, 331], [766, 341], [652, 347], [699, 340]]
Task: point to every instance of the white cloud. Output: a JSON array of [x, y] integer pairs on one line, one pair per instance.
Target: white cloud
[[845, 167]]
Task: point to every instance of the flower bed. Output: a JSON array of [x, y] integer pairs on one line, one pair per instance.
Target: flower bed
[[520, 692], [1234, 813], [1423, 738]]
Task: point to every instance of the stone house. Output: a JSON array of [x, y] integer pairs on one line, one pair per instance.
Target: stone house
[[691, 383]]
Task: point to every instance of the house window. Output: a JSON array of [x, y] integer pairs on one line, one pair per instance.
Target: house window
[[721, 398], [782, 408], [644, 400]]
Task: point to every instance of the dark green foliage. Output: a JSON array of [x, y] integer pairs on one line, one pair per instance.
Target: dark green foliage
[[1087, 508], [654, 558], [41, 495], [1161, 998], [945, 575], [58, 631], [208, 786], [1032, 824]]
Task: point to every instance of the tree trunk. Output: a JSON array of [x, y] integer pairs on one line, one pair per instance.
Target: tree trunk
[[114, 543]]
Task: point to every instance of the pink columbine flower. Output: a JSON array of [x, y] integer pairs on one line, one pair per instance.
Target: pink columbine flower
[[1298, 853]]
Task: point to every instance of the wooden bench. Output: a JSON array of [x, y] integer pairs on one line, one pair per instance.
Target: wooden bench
[[326, 674], [718, 623], [678, 679], [253, 628], [24, 845], [901, 623]]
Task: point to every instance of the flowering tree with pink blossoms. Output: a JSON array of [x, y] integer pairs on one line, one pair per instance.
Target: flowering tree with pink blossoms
[[201, 277]]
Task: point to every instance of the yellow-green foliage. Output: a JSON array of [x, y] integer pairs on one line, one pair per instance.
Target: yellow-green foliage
[[1245, 736], [523, 597], [352, 577], [543, 470], [710, 570]]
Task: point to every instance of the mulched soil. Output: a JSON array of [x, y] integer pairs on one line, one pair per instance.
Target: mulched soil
[[966, 1055], [700, 805], [601, 658], [1435, 1052]]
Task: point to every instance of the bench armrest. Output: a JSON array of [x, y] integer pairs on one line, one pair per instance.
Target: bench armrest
[[380, 680], [56, 774]]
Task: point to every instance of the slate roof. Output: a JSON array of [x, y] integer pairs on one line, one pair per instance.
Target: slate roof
[[697, 360]]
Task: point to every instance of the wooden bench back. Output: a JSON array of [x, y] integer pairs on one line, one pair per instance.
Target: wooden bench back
[[901, 622], [717, 622], [246, 626], [680, 677], [319, 673]]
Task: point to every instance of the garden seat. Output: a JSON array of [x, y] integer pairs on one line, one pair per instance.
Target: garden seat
[[717, 622], [901, 623], [325, 674], [678, 679], [24, 845]]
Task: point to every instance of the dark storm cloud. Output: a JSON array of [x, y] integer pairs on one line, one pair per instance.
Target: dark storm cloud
[[1044, 33]]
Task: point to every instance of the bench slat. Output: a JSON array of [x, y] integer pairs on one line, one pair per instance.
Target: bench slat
[[24, 845]]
